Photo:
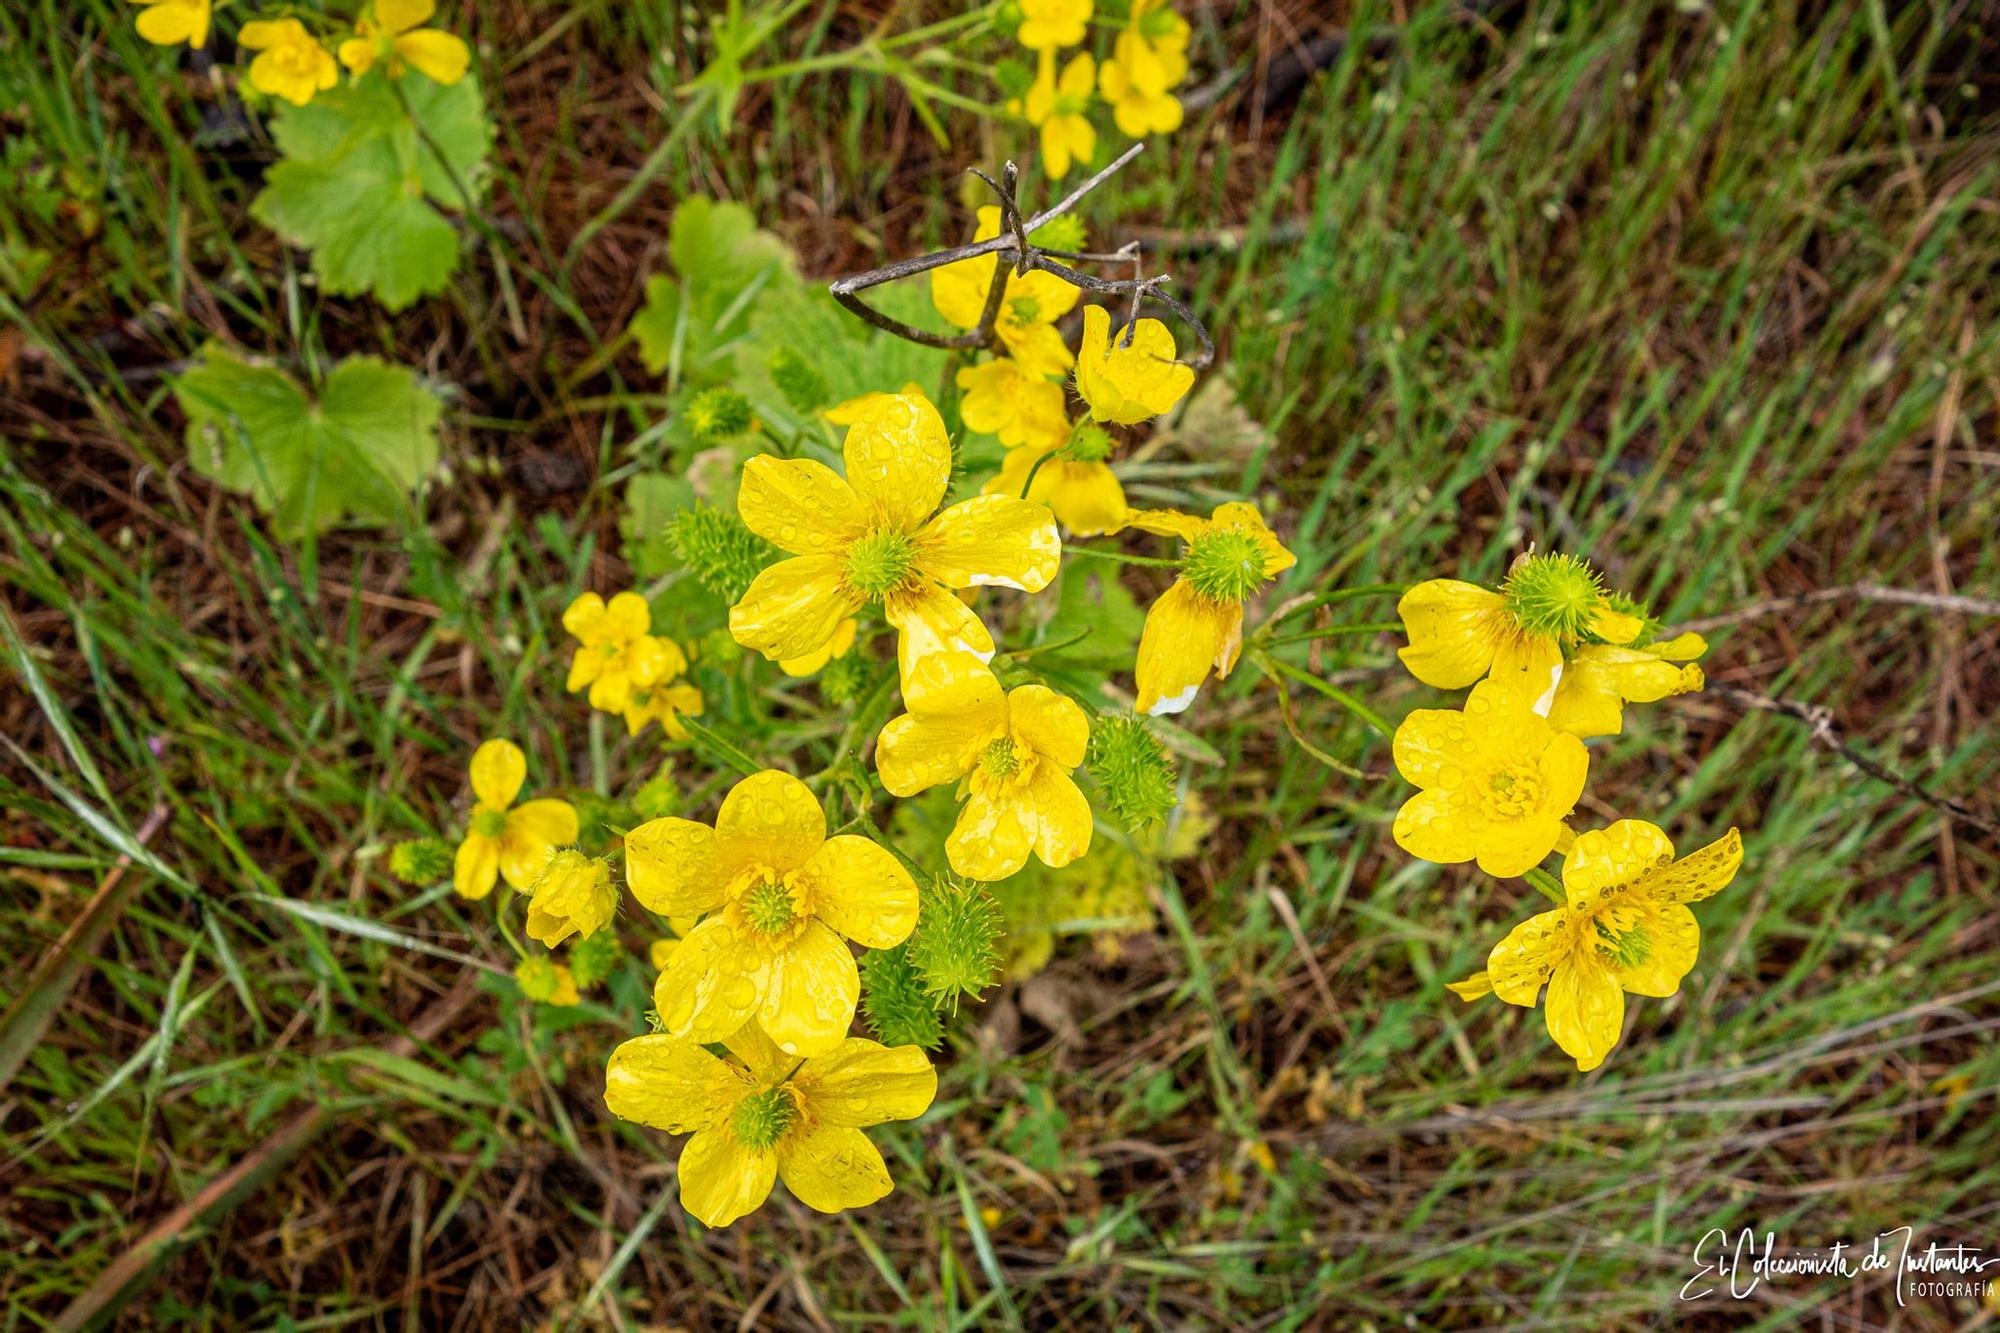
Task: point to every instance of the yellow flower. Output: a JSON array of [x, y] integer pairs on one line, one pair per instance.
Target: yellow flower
[[873, 537], [513, 844], [1128, 384], [665, 704], [1049, 24], [1014, 753], [840, 645], [171, 22], [1625, 928], [395, 33], [781, 894], [616, 655], [661, 952], [754, 1118], [1601, 678], [1021, 409], [850, 410], [1029, 307], [1060, 107], [291, 64], [1497, 782], [1198, 622], [1085, 496], [573, 895], [546, 981], [1460, 631]]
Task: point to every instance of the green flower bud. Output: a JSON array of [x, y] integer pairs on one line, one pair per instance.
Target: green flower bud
[[658, 796], [893, 999], [846, 679], [421, 861], [1089, 443], [954, 947], [1224, 565], [723, 553], [1133, 770], [594, 959], [538, 979], [1554, 595], [716, 415], [1063, 233]]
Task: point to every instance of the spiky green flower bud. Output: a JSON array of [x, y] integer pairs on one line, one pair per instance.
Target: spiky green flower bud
[[421, 861], [845, 679], [898, 1010], [594, 959], [1089, 442], [658, 796], [1133, 770], [538, 979], [1063, 233], [723, 553], [1013, 77], [798, 379], [1224, 565], [1555, 595], [954, 949], [716, 415]]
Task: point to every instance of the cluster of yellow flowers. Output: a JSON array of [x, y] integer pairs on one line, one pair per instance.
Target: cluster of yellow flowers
[[1148, 61], [294, 64], [1552, 659], [629, 670]]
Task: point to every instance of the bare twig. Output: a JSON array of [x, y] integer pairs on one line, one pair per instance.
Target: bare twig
[[1819, 721], [1013, 249], [1856, 592]]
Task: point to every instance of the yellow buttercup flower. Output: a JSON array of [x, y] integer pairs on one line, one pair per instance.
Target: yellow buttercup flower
[[665, 703], [396, 35], [1047, 25], [1013, 754], [1080, 489], [502, 843], [1029, 306], [781, 894], [1003, 400], [1197, 625], [850, 410], [840, 645], [615, 654], [171, 22], [291, 63], [1060, 107], [1460, 631], [573, 895], [1128, 383], [762, 1115], [1148, 59], [873, 536], [1625, 928], [1136, 111], [1601, 678], [1497, 782]]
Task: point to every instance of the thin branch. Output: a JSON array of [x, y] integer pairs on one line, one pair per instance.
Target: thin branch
[[1856, 592]]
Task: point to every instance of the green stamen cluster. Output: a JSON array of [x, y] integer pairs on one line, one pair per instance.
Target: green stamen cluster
[[718, 414], [1026, 309], [422, 860], [999, 760], [954, 948], [892, 996], [880, 561], [1132, 769], [1554, 595], [1629, 949], [489, 823], [801, 383], [768, 906], [1089, 443], [724, 554], [762, 1118], [1224, 566]]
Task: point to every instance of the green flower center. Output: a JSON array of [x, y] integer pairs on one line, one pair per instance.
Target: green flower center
[[1157, 24], [489, 823], [1089, 443], [999, 760], [1070, 104], [1026, 309], [1224, 565], [768, 906], [1628, 948], [1511, 792], [1554, 595], [762, 1118], [880, 561]]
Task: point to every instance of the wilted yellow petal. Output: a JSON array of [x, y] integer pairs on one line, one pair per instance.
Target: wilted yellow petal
[[1128, 383], [1186, 636]]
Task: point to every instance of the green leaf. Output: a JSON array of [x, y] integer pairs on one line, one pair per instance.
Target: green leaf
[[653, 500], [692, 323], [360, 450], [361, 186]]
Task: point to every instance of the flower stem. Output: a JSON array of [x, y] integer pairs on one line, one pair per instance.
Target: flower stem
[[1341, 595], [1103, 554], [1546, 882], [1271, 666]]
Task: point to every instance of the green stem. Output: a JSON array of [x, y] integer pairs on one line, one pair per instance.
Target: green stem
[[1372, 627], [1120, 556], [1546, 882], [722, 749], [600, 764], [1343, 595], [1029, 484], [500, 919], [1271, 666]]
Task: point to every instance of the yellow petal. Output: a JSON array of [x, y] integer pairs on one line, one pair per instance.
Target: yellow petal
[[672, 867], [1474, 987], [671, 1084], [262, 34], [941, 641], [1681, 648], [839, 645], [403, 15], [534, 830], [899, 460], [711, 986], [1060, 815], [1527, 665], [991, 839], [1439, 825], [626, 616], [793, 608], [1450, 625], [1128, 383], [861, 890], [476, 867], [1038, 347], [1433, 747], [769, 819], [1673, 940], [861, 1083], [1520, 964], [1079, 76], [584, 618], [1585, 1009], [801, 506], [810, 996], [1699, 874], [918, 751], [830, 1168], [1186, 636], [992, 541], [170, 24], [721, 1180], [1086, 498], [760, 1055], [358, 54], [1600, 680], [498, 770], [1611, 857], [1615, 626], [1511, 848], [437, 55], [1167, 523], [1053, 725]]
